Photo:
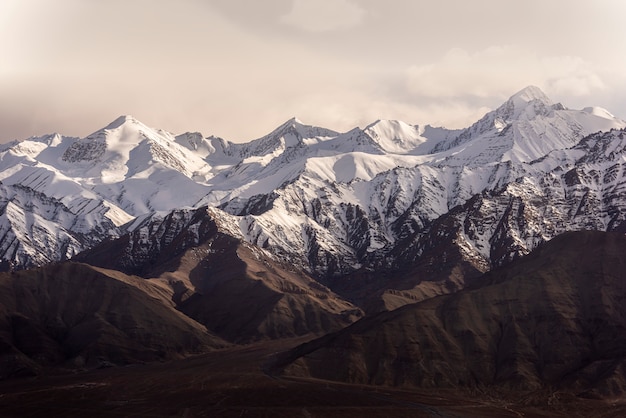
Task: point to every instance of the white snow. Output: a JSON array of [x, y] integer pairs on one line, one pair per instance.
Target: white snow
[[395, 136], [323, 185]]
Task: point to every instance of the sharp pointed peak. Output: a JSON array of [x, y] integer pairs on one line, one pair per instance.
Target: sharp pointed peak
[[293, 121], [121, 120], [529, 94], [303, 129], [528, 103], [287, 125]]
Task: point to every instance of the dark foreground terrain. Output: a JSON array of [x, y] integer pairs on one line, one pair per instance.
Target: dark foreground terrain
[[543, 336], [231, 382]]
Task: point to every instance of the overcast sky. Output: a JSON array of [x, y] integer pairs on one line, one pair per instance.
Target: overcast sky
[[239, 68]]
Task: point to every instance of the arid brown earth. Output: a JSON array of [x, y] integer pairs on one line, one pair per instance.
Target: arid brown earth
[[78, 317], [231, 383], [543, 336], [237, 290], [555, 320]]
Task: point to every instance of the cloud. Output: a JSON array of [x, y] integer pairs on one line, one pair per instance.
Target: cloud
[[499, 71], [323, 15], [239, 68], [571, 76]]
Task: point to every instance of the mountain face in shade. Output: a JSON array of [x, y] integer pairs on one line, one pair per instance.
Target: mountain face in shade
[[377, 201], [553, 319], [238, 291], [75, 316]]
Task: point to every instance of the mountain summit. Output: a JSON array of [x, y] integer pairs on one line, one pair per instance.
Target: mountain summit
[[530, 94], [527, 104], [524, 128], [121, 120]]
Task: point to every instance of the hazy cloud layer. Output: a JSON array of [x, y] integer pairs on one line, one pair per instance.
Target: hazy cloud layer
[[323, 15], [238, 68]]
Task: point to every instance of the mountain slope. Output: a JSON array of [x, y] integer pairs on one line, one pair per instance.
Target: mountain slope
[[552, 319], [36, 229], [583, 190], [239, 291], [75, 316], [101, 182]]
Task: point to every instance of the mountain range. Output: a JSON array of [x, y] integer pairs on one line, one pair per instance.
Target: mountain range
[[326, 202], [306, 231]]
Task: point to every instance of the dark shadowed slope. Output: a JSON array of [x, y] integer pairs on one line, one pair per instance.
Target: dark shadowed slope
[[239, 291], [556, 318], [76, 316]]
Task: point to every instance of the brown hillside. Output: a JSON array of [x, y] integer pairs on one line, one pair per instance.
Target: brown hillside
[[238, 290], [77, 316], [556, 318], [242, 295]]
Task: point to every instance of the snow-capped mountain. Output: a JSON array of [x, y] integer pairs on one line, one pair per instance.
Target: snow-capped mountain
[[331, 203], [338, 210], [133, 169], [36, 229], [524, 128]]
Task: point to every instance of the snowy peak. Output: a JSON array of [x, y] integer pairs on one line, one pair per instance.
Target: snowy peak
[[126, 147], [293, 133], [293, 122], [122, 120], [599, 111], [530, 94], [526, 104], [305, 131], [127, 128], [394, 136], [526, 127], [118, 138]]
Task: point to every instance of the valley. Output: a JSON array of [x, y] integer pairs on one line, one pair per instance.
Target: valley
[[232, 383]]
